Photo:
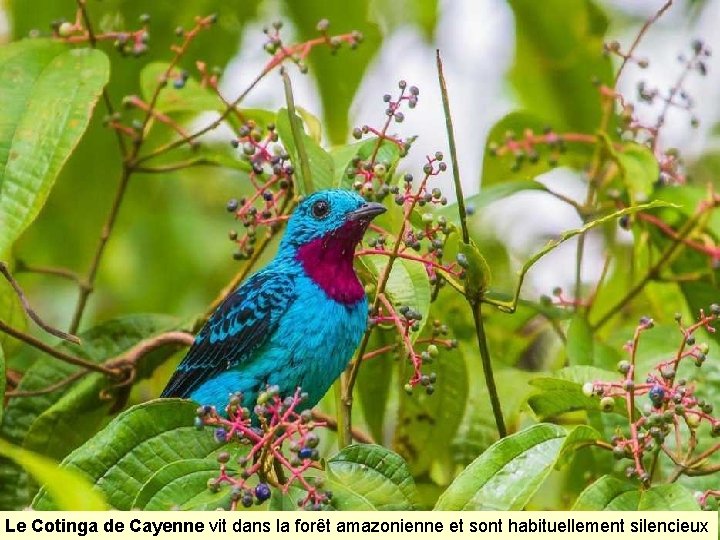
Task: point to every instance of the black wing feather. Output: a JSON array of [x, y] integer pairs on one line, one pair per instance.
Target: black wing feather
[[240, 325]]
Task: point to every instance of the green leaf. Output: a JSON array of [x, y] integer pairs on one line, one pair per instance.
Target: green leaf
[[321, 163], [13, 314], [608, 493], [193, 97], [407, 285], [375, 380], [510, 472], [3, 380], [478, 430], [490, 194], [370, 477], [579, 342], [639, 170], [125, 455], [426, 423], [78, 411], [504, 167], [69, 489], [421, 13], [182, 484], [673, 497], [337, 76], [286, 502], [562, 392], [49, 93], [553, 71], [56, 422]]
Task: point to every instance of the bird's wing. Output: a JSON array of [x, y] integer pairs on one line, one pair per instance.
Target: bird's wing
[[242, 324]]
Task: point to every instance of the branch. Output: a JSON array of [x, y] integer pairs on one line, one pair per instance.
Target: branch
[[60, 355], [332, 424], [29, 310]]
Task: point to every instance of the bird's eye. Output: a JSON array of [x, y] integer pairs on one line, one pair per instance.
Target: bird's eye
[[320, 209]]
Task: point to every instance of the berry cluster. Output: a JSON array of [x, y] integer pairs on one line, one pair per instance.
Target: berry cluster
[[372, 176], [274, 428], [271, 176], [131, 43], [298, 53], [424, 243], [406, 321], [672, 407]]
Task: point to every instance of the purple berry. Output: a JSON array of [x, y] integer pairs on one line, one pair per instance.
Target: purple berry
[[262, 492], [220, 435]]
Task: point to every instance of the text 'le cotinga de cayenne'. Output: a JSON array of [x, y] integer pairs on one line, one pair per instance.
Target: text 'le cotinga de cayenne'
[[296, 322]]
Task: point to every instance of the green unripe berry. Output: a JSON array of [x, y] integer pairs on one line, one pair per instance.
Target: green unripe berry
[[607, 404], [66, 29], [588, 389]]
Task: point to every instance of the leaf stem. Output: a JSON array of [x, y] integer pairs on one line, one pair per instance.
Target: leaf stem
[[488, 369], [453, 149]]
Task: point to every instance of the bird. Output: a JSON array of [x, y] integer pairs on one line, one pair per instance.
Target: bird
[[295, 323]]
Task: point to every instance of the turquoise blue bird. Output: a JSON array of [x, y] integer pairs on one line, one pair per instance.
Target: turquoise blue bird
[[296, 322]]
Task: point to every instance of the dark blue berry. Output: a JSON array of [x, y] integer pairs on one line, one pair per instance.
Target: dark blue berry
[[220, 435], [656, 395], [305, 453], [262, 492]]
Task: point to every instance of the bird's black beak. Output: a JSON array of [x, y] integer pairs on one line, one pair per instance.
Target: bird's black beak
[[367, 211]]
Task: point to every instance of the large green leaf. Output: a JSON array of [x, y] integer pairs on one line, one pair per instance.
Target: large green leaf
[[553, 72], [609, 493], [337, 77], [69, 489], [126, 454], [182, 484], [49, 93], [509, 473], [673, 497], [56, 422], [370, 477]]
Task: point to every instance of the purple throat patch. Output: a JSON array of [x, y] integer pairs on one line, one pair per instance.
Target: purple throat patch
[[329, 262]]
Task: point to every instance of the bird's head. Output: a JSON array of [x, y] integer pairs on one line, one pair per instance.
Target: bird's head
[[330, 216], [322, 234]]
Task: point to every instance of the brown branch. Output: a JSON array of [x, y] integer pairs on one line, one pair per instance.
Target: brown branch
[[29, 310], [146, 346], [331, 424], [60, 355], [48, 389], [645, 27], [21, 267]]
